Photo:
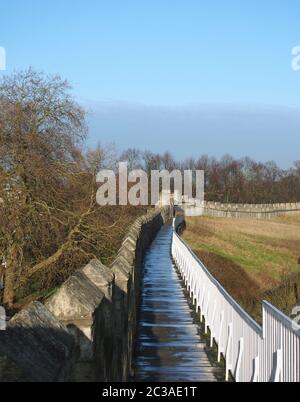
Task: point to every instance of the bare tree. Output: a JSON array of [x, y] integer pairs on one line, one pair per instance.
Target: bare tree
[[41, 127], [133, 158], [102, 157]]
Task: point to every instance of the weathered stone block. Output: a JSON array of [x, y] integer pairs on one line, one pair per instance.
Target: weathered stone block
[[76, 299], [101, 276], [36, 347], [75, 303]]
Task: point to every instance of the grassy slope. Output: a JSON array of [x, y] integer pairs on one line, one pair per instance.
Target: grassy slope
[[253, 259]]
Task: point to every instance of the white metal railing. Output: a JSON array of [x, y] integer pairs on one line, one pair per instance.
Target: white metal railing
[[270, 353]]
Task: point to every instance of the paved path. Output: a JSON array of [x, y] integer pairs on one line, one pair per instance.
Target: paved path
[[169, 345]]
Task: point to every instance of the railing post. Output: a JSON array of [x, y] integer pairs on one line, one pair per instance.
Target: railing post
[[220, 336], [212, 330], [228, 350], [239, 362], [202, 304], [278, 372], [206, 313], [255, 376]]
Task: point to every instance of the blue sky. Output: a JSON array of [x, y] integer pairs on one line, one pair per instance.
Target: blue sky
[[214, 63]]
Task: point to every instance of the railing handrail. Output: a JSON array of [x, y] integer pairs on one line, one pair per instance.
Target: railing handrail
[[270, 352], [288, 322], [228, 297], [251, 211]]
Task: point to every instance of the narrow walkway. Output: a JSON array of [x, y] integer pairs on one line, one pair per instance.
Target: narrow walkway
[[169, 346]]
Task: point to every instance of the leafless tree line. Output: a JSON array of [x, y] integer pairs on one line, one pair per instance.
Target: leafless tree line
[[229, 179]]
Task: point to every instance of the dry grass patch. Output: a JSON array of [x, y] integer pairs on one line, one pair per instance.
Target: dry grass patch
[[253, 259]]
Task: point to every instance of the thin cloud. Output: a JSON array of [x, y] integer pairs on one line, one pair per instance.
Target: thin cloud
[[261, 132]]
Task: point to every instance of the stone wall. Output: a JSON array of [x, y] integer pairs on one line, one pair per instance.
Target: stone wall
[[255, 211], [86, 330]]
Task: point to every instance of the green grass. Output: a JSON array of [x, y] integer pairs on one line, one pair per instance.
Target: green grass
[[254, 260]]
